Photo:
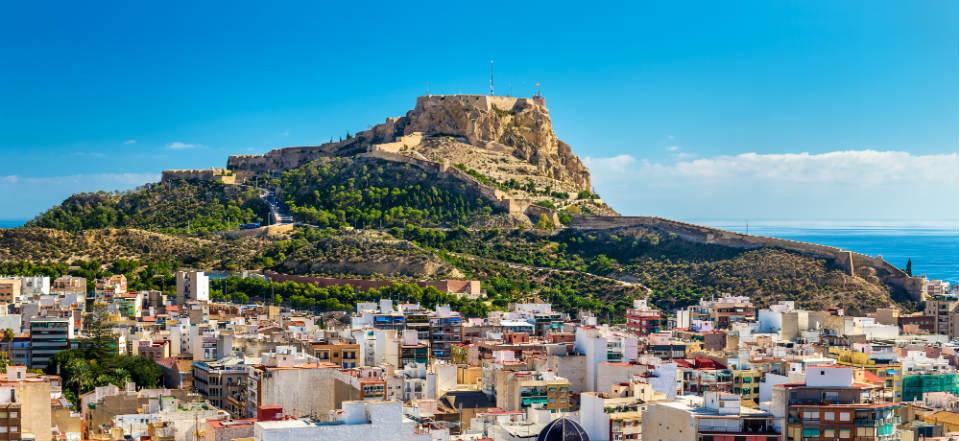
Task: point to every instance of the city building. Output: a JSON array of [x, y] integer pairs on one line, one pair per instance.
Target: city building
[[716, 416], [642, 319], [360, 420], [10, 290], [48, 335], [831, 405], [192, 286]]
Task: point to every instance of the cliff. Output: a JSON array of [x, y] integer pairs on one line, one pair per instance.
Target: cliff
[[519, 127]]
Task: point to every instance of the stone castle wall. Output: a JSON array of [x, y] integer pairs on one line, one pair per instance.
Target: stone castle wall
[[483, 102], [220, 175]]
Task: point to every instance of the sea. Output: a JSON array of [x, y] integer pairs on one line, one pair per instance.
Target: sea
[[933, 247], [11, 223]]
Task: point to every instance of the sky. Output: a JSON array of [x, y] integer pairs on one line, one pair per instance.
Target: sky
[[761, 110]]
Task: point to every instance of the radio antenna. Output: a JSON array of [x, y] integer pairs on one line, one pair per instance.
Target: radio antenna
[[491, 77]]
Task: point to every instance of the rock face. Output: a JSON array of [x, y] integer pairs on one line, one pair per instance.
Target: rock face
[[520, 127]]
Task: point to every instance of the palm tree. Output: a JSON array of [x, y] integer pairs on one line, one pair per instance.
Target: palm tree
[[116, 376], [80, 376]]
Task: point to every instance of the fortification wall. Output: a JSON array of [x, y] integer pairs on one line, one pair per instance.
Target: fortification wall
[[211, 174], [246, 166], [853, 263], [483, 102], [492, 195]]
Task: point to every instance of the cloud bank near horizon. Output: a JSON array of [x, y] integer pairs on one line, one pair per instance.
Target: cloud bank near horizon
[[839, 185], [848, 185]]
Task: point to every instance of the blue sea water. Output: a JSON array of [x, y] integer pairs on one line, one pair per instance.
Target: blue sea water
[[933, 248], [11, 223]]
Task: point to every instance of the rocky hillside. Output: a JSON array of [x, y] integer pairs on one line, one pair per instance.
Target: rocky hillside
[[44, 245], [508, 144]]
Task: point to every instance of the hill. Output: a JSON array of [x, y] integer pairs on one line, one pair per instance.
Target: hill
[[45, 245], [174, 206], [460, 186]]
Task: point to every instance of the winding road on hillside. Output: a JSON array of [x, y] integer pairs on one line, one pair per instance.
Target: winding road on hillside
[[278, 212]]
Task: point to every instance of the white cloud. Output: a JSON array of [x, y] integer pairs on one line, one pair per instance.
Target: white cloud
[[179, 145], [850, 184], [673, 148], [11, 179], [613, 164], [285, 133], [130, 142]]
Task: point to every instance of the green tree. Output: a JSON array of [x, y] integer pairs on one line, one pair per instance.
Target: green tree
[[102, 341], [909, 267], [544, 223]]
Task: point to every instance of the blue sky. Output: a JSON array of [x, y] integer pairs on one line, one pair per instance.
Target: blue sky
[[698, 110]]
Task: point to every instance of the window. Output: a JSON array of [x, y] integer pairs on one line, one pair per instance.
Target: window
[[829, 416], [844, 416], [828, 433], [810, 415], [844, 433]]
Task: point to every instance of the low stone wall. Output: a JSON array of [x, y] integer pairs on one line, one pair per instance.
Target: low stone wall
[[265, 231], [220, 175]]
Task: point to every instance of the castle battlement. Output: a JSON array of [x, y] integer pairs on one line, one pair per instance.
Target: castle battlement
[[220, 175], [483, 102]]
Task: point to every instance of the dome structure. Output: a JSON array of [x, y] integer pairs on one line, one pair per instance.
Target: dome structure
[[563, 429]]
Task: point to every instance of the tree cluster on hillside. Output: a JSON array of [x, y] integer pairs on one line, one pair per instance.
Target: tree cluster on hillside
[[339, 192], [305, 296], [178, 206]]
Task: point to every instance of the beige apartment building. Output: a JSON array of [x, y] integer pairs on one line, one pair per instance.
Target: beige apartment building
[[10, 290]]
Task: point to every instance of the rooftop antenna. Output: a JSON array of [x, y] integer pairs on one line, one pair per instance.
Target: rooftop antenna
[[491, 77], [537, 90]]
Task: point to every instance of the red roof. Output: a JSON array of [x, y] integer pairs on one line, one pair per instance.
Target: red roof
[[169, 363], [872, 377]]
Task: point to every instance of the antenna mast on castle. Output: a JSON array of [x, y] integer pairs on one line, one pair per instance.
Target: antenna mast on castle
[[537, 90], [491, 77]]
